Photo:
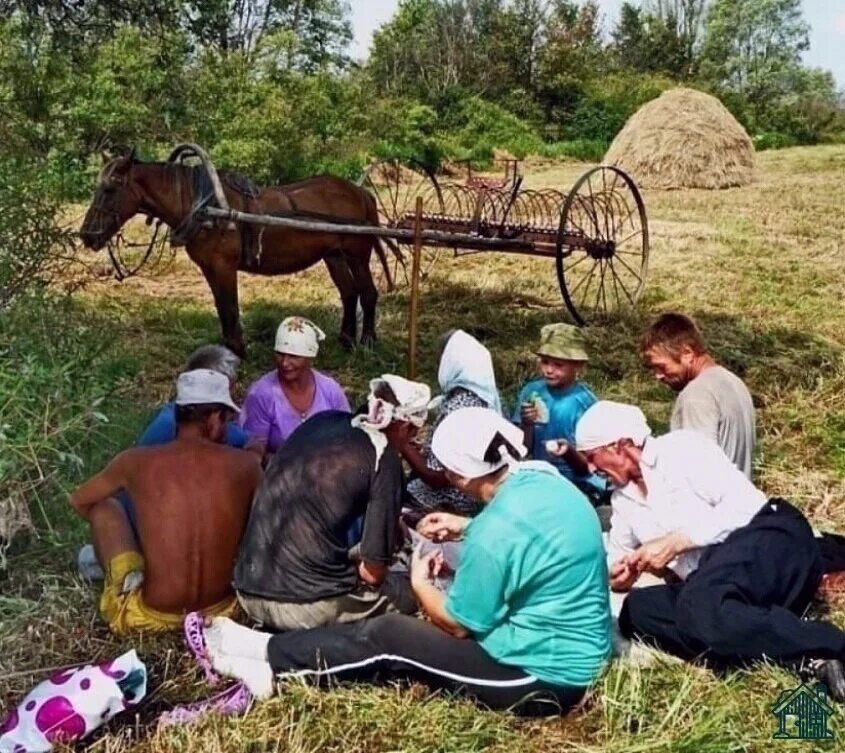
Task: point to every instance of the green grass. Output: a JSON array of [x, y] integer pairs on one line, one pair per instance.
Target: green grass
[[761, 268]]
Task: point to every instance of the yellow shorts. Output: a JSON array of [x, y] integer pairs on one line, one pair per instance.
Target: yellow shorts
[[126, 613]]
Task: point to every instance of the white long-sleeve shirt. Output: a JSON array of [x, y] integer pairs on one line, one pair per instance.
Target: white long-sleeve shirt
[[692, 487]]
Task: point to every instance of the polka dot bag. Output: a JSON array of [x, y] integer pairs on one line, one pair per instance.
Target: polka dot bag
[[72, 703]]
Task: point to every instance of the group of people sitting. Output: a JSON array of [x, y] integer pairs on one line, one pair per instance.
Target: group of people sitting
[[298, 515]]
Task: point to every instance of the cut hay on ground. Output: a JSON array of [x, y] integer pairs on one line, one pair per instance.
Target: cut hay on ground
[[684, 139]]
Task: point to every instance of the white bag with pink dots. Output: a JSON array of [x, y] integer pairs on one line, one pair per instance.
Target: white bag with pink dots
[[72, 703]]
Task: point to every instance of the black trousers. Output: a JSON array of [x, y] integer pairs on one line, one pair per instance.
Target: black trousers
[[397, 647], [745, 600]]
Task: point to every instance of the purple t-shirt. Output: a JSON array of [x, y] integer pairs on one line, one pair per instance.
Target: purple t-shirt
[[268, 416]]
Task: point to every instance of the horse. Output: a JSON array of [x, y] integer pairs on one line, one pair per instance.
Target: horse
[[166, 191]]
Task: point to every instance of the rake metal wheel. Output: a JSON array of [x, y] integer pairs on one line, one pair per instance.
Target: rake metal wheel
[[602, 244], [395, 185]]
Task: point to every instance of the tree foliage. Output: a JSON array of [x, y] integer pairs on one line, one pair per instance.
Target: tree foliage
[[268, 87]]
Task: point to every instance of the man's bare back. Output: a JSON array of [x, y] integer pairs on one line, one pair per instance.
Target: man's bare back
[[192, 499]]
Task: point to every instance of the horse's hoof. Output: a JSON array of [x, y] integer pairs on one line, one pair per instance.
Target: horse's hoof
[[368, 342], [347, 343]]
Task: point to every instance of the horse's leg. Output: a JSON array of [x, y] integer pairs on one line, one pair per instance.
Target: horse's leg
[[222, 278], [342, 277], [360, 266]]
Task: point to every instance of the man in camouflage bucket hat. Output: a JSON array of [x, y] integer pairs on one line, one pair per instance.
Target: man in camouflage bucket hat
[[549, 407]]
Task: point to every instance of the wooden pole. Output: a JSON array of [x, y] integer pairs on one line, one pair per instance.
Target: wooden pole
[[447, 239], [415, 292]]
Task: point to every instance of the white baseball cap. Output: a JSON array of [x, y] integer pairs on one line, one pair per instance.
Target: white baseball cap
[[204, 387]]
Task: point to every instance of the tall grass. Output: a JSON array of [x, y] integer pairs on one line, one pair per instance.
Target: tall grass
[[57, 371]]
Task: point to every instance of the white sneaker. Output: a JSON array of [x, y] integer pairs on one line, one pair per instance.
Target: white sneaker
[[87, 565]]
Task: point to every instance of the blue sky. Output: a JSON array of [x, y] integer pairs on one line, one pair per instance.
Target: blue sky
[[826, 17]]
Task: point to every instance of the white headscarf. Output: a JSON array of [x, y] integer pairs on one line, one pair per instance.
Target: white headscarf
[[297, 336], [413, 398], [464, 442], [606, 422], [467, 363]]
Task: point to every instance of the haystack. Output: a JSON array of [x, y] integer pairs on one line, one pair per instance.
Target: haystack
[[684, 139]]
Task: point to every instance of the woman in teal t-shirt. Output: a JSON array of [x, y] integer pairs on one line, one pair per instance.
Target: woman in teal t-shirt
[[526, 624]]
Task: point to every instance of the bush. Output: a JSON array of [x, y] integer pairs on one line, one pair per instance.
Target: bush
[[607, 103], [479, 127], [586, 150], [773, 140], [34, 251]]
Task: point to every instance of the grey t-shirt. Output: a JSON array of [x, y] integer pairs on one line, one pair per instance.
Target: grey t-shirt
[[717, 403]]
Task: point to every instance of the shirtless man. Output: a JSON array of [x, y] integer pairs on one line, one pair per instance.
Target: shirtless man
[[192, 499]]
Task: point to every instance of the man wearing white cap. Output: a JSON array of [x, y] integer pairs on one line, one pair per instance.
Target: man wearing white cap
[[526, 624], [191, 499], [745, 568], [294, 569]]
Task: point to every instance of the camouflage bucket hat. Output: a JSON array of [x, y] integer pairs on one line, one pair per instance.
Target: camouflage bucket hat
[[563, 341]]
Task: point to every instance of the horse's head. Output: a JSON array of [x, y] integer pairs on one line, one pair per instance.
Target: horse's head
[[115, 201]]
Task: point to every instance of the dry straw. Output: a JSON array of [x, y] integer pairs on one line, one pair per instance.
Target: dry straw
[[684, 139]]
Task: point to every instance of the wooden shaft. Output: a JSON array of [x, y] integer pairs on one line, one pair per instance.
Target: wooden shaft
[[399, 234], [415, 291]]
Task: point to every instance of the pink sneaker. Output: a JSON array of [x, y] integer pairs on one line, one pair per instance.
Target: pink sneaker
[[195, 640], [234, 701]]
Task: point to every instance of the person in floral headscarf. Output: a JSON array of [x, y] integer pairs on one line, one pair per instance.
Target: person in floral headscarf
[[294, 391]]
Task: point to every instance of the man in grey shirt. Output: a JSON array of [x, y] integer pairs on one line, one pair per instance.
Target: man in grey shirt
[[711, 399]]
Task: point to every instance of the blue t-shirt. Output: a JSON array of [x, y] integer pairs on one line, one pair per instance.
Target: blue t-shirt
[[162, 429], [531, 581], [566, 407]]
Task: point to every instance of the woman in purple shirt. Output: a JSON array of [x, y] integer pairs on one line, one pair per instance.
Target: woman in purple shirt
[[281, 400]]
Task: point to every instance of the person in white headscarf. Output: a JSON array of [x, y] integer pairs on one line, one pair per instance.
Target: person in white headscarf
[[281, 400], [467, 380], [742, 568], [526, 624]]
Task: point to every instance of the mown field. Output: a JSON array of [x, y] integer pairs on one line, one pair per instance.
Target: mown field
[[761, 268]]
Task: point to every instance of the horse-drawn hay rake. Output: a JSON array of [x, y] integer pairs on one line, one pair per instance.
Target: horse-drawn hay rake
[[597, 233]]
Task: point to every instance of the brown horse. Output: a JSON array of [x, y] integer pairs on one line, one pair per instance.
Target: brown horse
[[165, 191]]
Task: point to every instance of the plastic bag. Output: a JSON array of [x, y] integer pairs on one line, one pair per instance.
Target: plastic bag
[[72, 703]]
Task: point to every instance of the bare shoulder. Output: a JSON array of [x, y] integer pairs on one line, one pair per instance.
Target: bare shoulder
[[238, 458]]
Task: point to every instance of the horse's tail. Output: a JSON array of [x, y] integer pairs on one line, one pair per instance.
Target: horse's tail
[[397, 252], [380, 243]]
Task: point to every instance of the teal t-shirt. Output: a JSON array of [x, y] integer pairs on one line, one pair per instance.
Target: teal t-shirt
[[566, 407], [531, 582]]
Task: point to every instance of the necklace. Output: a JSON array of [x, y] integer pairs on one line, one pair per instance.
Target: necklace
[[293, 397]]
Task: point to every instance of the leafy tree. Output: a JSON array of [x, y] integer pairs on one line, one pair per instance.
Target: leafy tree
[[431, 46], [752, 50], [571, 56], [661, 37]]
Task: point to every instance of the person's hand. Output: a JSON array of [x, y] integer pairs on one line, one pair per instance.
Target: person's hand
[[654, 556], [560, 448], [425, 567], [371, 573], [528, 413], [400, 433], [622, 575], [442, 526]]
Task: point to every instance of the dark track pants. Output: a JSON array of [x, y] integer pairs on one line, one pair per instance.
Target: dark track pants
[[745, 600], [398, 647]]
